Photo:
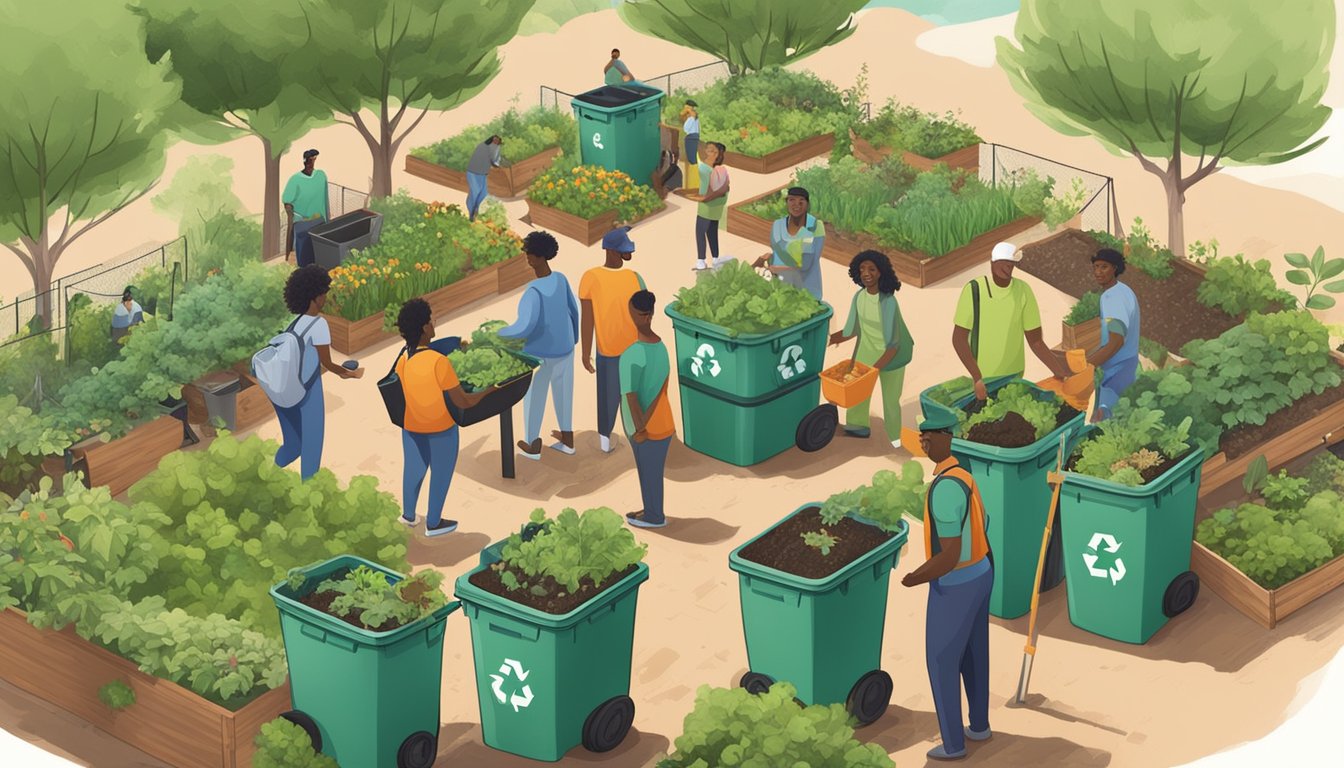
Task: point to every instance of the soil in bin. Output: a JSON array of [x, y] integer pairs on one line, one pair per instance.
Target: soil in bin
[[552, 597], [1171, 315], [321, 601], [1241, 440], [1012, 431], [1149, 475], [784, 550]]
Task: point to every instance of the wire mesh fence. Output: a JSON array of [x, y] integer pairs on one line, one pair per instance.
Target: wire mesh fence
[[340, 201], [1094, 191]]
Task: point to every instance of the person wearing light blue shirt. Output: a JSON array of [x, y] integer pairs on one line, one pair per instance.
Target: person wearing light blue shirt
[[1118, 354], [548, 322]]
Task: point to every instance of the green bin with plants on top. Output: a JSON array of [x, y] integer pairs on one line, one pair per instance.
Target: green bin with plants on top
[[814, 594], [365, 652], [552, 614], [1010, 443], [1128, 509]]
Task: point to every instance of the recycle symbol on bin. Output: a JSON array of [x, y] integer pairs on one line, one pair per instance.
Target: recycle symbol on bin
[[1115, 572], [705, 362], [520, 698], [791, 363]]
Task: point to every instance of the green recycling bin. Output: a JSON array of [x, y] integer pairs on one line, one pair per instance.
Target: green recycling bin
[[748, 366], [547, 683], [618, 128], [1014, 486], [745, 431], [1127, 550], [822, 635], [365, 698]]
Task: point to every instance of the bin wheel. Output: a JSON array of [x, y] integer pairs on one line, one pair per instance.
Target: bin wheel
[[308, 725], [1181, 594], [869, 697], [418, 750], [606, 726], [755, 683], [817, 428]]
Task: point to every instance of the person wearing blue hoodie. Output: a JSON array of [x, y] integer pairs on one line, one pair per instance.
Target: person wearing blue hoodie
[[548, 323]]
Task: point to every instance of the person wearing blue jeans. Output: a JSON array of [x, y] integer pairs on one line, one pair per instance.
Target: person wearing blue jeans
[[303, 426], [1118, 354], [647, 414], [429, 437], [305, 196], [482, 160], [548, 323]]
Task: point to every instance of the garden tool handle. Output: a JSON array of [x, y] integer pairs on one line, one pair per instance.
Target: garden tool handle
[[1056, 479]]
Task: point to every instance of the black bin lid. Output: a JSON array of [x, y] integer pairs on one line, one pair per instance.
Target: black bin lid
[[611, 96]]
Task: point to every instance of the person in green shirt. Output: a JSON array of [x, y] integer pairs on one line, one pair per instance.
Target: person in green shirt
[[884, 340], [713, 200], [615, 72], [305, 196], [989, 342], [647, 413]]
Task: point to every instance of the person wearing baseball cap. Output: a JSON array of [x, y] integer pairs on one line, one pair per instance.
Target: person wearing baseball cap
[[993, 316], [604, 301], [305, 195], [1118, 354]]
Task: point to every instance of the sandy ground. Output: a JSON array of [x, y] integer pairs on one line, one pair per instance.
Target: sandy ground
[[1186, 694]]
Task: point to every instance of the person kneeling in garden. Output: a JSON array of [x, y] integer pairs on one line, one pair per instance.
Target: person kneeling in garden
[[1118, 354], [548, 321], [647, 414], [429, 437], [884, 340], [959, 569]]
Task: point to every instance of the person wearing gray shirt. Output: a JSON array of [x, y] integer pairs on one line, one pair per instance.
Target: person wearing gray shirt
[[483, 159]]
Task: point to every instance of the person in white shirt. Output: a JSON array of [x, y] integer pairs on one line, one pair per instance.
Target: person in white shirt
[[690, 114], [127, 313]]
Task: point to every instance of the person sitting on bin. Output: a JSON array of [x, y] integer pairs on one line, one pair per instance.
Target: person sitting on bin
[[1118, 354], [615, 72], [126, 314]]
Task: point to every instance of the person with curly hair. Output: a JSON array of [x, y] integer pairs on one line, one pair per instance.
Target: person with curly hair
[[302, 426], [884, 341], [1118, 355]]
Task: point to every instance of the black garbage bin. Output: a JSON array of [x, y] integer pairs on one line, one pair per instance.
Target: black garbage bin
[[333, 240]]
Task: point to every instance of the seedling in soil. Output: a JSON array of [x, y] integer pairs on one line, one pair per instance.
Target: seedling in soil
[[821, 540], [368, 595]]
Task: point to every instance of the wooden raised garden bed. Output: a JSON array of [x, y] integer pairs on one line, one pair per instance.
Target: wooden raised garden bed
[[586, 231], [506, 181], [1267, 606], [1085, 335], [352, 336], [966, 158], [119, 463], [167, 721], [781, 159], [253, 406], [916, 269]]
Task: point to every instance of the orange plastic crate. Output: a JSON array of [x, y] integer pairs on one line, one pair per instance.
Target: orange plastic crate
[[848, 392]]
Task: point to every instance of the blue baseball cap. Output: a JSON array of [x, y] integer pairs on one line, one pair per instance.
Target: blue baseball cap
[[618, 240]]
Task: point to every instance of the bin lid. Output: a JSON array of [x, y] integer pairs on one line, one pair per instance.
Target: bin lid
[[612, 96], [359, 214], [215, 383]]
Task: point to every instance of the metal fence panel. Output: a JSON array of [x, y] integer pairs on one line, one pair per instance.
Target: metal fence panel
[[1001, 164], [340, 201]]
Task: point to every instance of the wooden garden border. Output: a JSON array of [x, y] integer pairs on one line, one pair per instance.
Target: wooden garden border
[[166, 720], [586, 231], [967, 158], [506, 181], [119, 464], [1267, 606], [780, 159], [915, 269]]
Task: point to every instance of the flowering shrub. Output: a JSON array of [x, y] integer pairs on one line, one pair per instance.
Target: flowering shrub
[[587, 191], [525, 134]]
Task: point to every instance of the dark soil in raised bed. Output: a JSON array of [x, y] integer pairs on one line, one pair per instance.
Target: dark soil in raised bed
[[1238, 441], [783, 548], [321, 601], [1012, 431], [1169, 312], [545, 594]]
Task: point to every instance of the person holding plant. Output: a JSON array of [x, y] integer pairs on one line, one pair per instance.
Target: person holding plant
[[482, 160], [429, 437], [993, 315], [615, 72], [884, 341], [305, 195], [604, 298], [690, 115], [548, 322], [959, 569], [713, 200], [1118, 355], [796, 241], [303, 426], [645, 370]]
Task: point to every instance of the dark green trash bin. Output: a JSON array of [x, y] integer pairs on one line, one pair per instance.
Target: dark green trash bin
[[618, 128]]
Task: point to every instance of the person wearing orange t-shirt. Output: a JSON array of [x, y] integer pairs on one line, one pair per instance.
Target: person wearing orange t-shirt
[[645, 369], [604, 296], [429, 437]]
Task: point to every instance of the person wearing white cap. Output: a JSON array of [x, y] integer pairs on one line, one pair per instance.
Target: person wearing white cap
[[994, 314]]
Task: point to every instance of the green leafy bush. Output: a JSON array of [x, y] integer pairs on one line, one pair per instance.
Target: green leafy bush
[[23, 361], [1060, 207], [906, 128], [25, 439], [525, 134], [282, 744], [1239, 286], [1019, 398], [116, 695], [1153, 351], [1140, 250], [737, 728], [374, 600], [579, 551], [1131, 442], [846, 194], [1325, 473], [738, 300], [1087, 308], [89, 332], [1313, 272], [220, 243], [1273, 545], [888, 498], [588, 191], [946, 209]]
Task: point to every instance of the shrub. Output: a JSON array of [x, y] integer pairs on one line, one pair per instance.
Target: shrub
[[1276, 544], [282, 744], [1239, 286], [738, 300], [587, 191], [25, 439], [906, 128], [24, 360], [1087, 308], [525, 134]]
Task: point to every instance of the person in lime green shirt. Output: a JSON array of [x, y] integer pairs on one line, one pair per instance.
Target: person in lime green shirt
[[1008, 313], [305, 196], [884, 341], [713, 200]]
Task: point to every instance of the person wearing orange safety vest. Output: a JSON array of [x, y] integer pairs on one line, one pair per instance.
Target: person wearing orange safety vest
[[959, 569]]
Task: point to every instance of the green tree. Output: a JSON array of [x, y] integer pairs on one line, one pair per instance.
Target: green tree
[[236, 61], [748, 34], [1225, 81], [398, 59], [85, 124]]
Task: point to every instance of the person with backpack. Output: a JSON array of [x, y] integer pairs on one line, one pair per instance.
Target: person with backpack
[[290, 370], [959, 569], [647, 415], [994, 314], [548, 321], [604, 298], [429, 436]]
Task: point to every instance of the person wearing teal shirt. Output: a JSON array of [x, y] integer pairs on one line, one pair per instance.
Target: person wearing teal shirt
[[796, 241], [616, 73], [884, 340], [305, 196]]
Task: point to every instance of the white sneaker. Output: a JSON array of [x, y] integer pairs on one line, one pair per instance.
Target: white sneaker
[[608, 443], [561, 447], [700, 266]]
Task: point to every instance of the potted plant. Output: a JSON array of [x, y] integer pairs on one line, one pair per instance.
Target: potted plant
[[552, 614], [1082, 325], [814, 593]]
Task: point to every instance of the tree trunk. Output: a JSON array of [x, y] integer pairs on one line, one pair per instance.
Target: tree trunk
[[1171, 182], [270, 207], [44, 264], [382, 161]]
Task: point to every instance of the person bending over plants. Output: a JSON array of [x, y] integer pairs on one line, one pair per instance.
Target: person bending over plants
[[645, 369], [429, 437]]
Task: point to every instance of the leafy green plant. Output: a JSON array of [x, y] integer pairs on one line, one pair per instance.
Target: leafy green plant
[[738, 300], [1060, 207], [370, 597], [1201, 252], [1153, 351], [1140, 249], [1041, 412], [821, 540], [949, 392], [846, 193], [1326, 473], [1272, 545], [738, 728], [23, 361], [1087, 308], [1239, 286], [578, 551], [525, 134], [116, 695], [587, 191], [282, 744], [25, 439], [945, 209], [1313, 272], [884, 501], [1256, 472], [488, 360], [906, 128], [1129, 443]]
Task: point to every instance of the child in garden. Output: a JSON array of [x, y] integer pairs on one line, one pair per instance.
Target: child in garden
[[645, 369], [604, 295]]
